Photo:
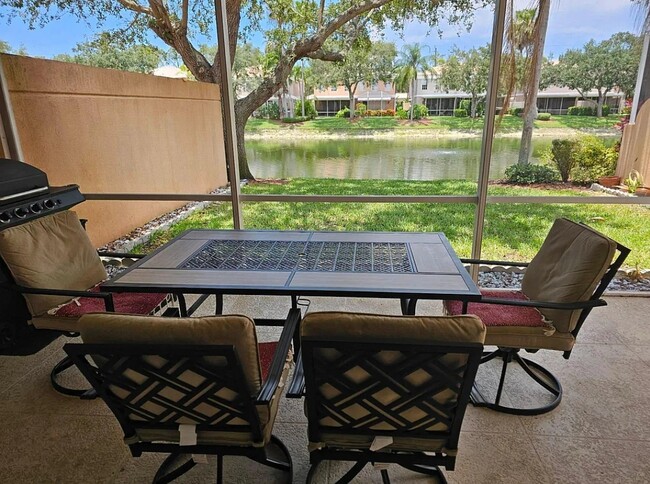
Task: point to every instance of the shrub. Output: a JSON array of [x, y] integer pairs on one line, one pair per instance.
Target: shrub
[[465, 104], [516, 111], [527, 174], [295, 119], [343, 113], [360, 109], [420, 111], [460, 113], [269, 110], [593, 159], [402, 113], [389, 112], [581, 111], [544, 116], [606, 109], [563, 154], [310, 109]]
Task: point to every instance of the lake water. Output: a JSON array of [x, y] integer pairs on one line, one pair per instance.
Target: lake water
[[397, 159]]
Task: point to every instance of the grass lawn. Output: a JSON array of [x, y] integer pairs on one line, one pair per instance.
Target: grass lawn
[[440, 123], [512, 232]]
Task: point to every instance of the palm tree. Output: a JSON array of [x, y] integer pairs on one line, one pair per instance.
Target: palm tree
[[411, 60], [527, 34]]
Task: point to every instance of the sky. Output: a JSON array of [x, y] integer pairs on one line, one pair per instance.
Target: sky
[[572, 23]]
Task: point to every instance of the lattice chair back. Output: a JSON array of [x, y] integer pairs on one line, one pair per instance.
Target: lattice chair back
[[159, 374], [396, 383]]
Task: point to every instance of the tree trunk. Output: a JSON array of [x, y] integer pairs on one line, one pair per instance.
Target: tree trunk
[[599, 105], [413, 92], [472, 110], [530, 107], [240, 128]]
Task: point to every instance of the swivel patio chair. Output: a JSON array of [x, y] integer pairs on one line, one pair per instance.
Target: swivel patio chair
[[50, 276], [387, 389], [188, 386], [561, 285]]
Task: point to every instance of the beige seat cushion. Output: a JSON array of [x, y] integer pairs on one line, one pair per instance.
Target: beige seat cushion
[[338, 326], [568, 266], [235, 330], [402, 329], [528, 337], [51, 252]]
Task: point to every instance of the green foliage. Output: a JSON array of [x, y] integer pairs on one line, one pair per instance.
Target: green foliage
[[544, 116], [633, 181], [360, 109], [606, 109], [420, 111], [460, 113], [343, 113], [270, 110], [581, 111], [527, 174], [310, 109], [412, 61], [465, 104], [516, 111], [295, 119], [593, 159], [104, 52], [401, 113], [563, 155]]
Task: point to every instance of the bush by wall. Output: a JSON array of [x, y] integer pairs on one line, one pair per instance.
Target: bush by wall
[[527, 174], [563, 154], [360, 109], [516, 111], [465, 104], [581, 111], [343, 113], [420, 111], [401, 113], [295, 119], [460, 113], [593, 159], [310, 109], [544, 116]]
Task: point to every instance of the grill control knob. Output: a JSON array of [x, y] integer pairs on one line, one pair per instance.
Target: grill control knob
[[49, 204], [21, 212], [5, 217], [35, 207]]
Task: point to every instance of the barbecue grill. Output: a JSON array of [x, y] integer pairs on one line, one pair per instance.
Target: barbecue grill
[[25, 195]]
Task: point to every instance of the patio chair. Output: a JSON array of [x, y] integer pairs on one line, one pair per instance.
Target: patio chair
[[189, 386], [50, 276], [387, 389], [561, 285]]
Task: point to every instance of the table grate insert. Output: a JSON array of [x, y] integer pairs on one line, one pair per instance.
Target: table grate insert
[[250, 255]]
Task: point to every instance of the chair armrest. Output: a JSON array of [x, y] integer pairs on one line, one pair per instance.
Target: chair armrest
[[121, 255], [106, 296], [495, 262], [297, 385], [279, 358], [591, 303]]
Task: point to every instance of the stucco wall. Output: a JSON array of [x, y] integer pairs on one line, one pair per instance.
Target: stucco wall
[[635, 146], [112, 131]]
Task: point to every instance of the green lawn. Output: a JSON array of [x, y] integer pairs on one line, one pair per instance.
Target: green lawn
[[439, 123], [512, 232]]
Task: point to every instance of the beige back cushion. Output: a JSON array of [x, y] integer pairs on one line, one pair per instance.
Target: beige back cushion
[[394, 329], [239, 331], [52, 252], [567, 268]]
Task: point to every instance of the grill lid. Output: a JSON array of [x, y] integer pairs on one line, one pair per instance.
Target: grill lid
[[19, 181]]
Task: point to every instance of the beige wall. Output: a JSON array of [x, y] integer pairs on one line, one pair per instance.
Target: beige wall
[[113, 131], [635, 146]]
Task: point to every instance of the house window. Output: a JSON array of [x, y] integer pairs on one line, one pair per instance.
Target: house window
[[424, 86]]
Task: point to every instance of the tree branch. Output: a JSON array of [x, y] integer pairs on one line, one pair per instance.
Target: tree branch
[[135, 7], [323, 55], [184, 16]]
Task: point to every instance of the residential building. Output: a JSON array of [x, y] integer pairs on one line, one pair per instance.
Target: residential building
[[329, 100]]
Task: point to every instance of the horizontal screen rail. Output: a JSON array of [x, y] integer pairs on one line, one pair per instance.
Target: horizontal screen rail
[[198, 197]]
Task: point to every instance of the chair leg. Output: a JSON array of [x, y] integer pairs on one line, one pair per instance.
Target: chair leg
[[283, 465], [60, 367], [385, 479], [535, 371], [167, 471]]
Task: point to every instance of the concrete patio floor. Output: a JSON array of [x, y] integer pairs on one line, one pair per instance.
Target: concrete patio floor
[[600, 432]]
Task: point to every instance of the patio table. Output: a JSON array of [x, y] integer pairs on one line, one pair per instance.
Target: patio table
[[404, 265]]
